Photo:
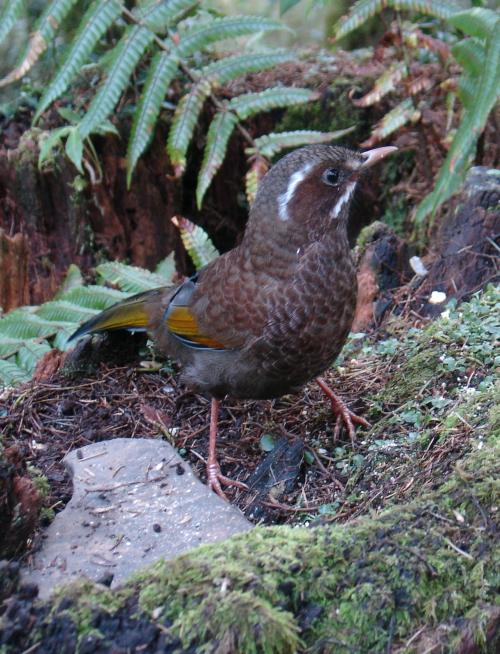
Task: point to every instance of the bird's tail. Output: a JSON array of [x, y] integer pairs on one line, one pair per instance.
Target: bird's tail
[[130, 314]]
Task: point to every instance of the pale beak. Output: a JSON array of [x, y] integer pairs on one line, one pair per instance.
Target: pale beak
[[376, 155]]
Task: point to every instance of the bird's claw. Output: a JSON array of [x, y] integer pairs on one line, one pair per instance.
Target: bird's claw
[[346, 416], [216, 478]]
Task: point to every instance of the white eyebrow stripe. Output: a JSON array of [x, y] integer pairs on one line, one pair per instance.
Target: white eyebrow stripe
[[344, 198], [285, 198]]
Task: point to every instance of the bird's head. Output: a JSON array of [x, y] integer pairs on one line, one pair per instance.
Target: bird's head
[[309, 191]]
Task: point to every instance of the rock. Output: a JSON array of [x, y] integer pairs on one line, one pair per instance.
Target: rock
[[466, 254], [131, 506]]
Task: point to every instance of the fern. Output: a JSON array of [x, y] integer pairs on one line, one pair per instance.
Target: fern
[[154, 36], [98, 18], [196, 241], [279, 96], [9, 15], [478, 21], [226, 27], [129, 278], [218, 135], [231, 67], [362, 10], [125, 58], [161, 73], [44, 32], [184, 122], [471, 126], [270, 144]]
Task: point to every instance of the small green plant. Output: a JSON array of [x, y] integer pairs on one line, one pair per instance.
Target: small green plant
[[27, 334], [159, 42], [477, 88]]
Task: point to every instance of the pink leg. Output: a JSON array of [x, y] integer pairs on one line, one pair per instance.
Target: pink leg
[[340, 409], [215, 477]]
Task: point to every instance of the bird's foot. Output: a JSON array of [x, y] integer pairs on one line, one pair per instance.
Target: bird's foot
[[343, 413], [216, 479]]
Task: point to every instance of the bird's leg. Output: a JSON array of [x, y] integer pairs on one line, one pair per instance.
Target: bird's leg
[[343, 413], [214, 475]]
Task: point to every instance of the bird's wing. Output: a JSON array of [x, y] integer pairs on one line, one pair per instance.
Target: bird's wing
[[182, 323]]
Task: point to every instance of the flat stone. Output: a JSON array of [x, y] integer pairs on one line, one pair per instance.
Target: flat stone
[[135, 501]]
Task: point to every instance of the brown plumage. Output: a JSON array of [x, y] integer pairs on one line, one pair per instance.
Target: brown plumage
[[273, 313]]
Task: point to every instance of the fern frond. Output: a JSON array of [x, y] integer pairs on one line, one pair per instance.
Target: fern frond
[[8, 17], [128, 278], [166, 268], [471, 126], [248, 104], [43, 33], [161, 72], [270, 144], [23, 324], [184, 121], [383, 85], [470, 55], [478, 21], [402, 114], [64, 311], [98, 18], [159, 15], [467, 89], [72, 280], [196, 241], [227, 27], [125, 57], [226, 69], [30, 354], [362, 10], [11, 374], [93, 297], [218, 136]]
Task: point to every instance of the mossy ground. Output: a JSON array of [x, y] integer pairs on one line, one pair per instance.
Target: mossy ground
[[423, 568]]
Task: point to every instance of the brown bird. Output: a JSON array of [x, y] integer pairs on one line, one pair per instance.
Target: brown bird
[[273, 313]]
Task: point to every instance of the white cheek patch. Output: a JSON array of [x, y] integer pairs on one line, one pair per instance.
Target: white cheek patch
[[344, 199], [285, 198]]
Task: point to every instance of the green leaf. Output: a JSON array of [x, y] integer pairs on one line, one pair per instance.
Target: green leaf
[[160, 75], [270, 144], [218, 136], [226, 69], [74, 148], [30, 354], [402, 114], [267, 442], [98, 18], [124, 59], [25, 325], [11, 374], [48, 141], [72, 280], [362, 10], [11, 11], [469, 130], [166, 268], [470, 55], [158, 15], [477, 21], [198, 37], [64, 311], [248, 104], [129, 278], [184, 122], [196, 241], [43, 33], [286, 5], [94, 297]]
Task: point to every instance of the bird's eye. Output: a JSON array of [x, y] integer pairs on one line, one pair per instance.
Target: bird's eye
[[331, 176]]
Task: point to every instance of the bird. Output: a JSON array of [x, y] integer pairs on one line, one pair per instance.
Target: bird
[[273, 313]]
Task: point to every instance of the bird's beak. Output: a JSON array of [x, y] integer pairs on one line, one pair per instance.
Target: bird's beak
[[376, 155]]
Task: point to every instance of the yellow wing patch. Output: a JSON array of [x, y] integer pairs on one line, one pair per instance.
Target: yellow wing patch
[[181, 322]]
